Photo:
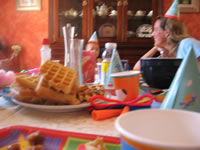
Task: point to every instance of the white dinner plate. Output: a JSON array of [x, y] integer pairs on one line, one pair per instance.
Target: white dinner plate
[[54, 108]]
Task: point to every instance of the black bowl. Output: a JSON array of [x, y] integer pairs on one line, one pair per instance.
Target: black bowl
[[159, 72]]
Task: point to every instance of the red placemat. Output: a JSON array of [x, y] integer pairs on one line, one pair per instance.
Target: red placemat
[[55, 139]]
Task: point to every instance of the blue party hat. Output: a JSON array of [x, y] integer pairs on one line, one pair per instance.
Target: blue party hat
[[93, 38], [173, 11], [115, 66], [184, 90]]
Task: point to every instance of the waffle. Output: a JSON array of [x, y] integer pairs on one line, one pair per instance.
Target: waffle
[[86, 92], [29, 81], [97, 89], [49, 93], [25, 94], [60, 78]]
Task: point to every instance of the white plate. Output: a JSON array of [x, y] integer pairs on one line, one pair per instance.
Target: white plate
[[144, 31], [107, 30], [54, 108]]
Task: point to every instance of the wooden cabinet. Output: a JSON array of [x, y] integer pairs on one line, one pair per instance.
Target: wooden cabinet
[[127, 22]]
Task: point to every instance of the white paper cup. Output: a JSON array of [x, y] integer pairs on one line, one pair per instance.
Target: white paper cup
[[155, 129]]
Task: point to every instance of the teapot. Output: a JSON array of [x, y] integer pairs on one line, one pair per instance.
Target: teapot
[[102, 10]]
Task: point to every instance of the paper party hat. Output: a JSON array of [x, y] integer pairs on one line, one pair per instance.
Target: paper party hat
[[93, 38], [184, 90], [173, 11], [115, 66]]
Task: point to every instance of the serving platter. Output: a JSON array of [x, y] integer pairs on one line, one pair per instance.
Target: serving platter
[[53, 108]]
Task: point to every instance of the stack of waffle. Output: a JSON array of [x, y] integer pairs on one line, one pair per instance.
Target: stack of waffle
[[56, 84]]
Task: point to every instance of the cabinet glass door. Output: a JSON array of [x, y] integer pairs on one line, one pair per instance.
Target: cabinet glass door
[[139, 19], [70, 12], [105, 18]]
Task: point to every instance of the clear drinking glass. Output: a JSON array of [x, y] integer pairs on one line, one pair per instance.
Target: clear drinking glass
[[76, 48]]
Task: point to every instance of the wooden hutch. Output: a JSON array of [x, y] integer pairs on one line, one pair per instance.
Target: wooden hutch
[[126, 22]]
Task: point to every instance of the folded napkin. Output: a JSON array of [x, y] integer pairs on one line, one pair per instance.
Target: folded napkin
[[103, 108]]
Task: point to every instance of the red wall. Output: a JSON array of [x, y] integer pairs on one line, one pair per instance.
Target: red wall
[[26, 28], [29, 27]]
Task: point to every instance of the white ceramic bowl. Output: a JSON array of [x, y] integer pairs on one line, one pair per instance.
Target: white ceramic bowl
[[159, 129]]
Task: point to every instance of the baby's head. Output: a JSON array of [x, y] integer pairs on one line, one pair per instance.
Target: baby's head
[[93, 44], [93, 47]]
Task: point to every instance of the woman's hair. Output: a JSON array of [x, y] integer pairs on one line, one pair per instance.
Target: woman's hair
[[177, 31], [176, 27]]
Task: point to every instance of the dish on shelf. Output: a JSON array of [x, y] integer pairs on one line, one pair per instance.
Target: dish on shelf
[[150, 14], [130, 34], [113, 15], [53, 108], [130, 13], [107, 30], [144, 31], [140, 13]]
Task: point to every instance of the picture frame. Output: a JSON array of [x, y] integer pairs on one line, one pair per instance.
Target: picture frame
[[28, 5], [189, 6]]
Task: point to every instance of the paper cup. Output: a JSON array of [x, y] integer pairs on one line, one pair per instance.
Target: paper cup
[[126, 84], [155, 129]]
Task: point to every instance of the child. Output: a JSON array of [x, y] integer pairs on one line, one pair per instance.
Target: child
[[93, 45]]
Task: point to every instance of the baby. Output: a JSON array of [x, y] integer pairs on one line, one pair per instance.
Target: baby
[[93, 45]]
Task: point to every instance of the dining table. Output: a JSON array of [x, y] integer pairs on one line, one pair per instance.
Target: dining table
[[75, 121], [73, 127], [79, 121]]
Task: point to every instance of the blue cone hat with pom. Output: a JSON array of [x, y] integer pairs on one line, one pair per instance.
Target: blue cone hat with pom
[[93, 38], [173, 11]]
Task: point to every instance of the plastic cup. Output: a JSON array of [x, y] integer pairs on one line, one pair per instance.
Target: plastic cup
[[126, 84]]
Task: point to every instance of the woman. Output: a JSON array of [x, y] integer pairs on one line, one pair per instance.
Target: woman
[[171, 40]]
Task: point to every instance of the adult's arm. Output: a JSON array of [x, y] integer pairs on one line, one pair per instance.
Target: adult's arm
[[149, 54]]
